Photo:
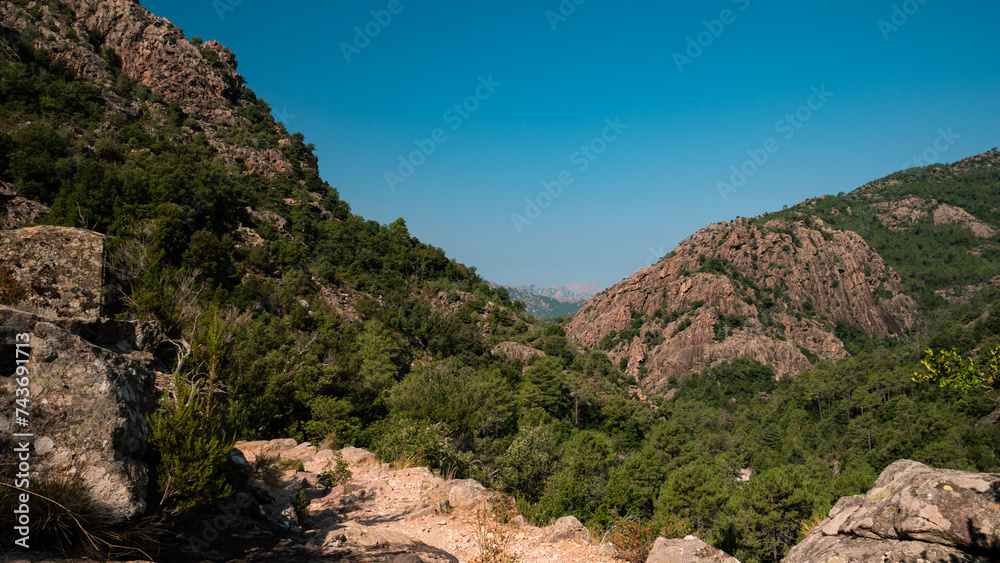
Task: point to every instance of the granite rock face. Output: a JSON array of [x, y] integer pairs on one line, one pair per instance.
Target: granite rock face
[[62, 267], [153, 52], [914, 512], [775, 290], [91, 390]]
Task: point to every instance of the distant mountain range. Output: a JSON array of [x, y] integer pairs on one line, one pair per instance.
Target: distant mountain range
[[553, 301], [578, 290]]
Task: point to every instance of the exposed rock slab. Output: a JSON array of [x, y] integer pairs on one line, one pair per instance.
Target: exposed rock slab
[[62, 267], [516, 351], [16, 210], [687, 550], [566, 528], [913, 511]]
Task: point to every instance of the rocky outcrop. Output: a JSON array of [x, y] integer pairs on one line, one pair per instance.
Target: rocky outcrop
[[566, 528], [900, 215], [771, 291], [154, 53], [516, 351], [63, 269], [91, 387], [687, 550], [385, 514], [913, 513], [16, 210]]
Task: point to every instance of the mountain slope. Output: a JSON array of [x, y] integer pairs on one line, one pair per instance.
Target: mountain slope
[[790, 287], [544, 307]]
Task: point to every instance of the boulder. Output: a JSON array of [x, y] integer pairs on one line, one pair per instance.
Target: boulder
[[913, 511], [358, 458], [565, 528], [687, 550], [62, 267], [87, 404], [465, 493], [516, 351], [16, 210]]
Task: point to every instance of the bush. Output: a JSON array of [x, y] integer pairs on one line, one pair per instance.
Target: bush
[[339, 475], [632, 539], [188, 439]]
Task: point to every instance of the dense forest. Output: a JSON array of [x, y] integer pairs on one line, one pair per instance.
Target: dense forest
[[342, 331]]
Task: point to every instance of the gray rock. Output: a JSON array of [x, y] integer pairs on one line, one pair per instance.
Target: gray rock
[[88, 406], [63, 269], [687, 550], [465, 493], [913, 512], [565, 528], [238, 463], [359, 458], [818, 548]]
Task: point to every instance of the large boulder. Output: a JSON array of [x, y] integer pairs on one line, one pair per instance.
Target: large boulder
[[687, 550], [565, 528], [91, 387], [62, 267], [913, 512]]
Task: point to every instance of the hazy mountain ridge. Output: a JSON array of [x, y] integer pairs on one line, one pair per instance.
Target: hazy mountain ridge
[[573, 291], [544, 307]]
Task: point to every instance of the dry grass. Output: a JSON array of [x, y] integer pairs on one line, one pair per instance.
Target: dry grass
[[807, 526], [65, 519], [407, 461], [493, 537], [290, 463]]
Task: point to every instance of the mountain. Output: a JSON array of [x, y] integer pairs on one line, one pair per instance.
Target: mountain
[[573, 291], [808, 283], [256, 301], [544, 307]]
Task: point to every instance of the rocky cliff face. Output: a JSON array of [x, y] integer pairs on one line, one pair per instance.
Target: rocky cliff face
[[773, 291], [91, 389], [100, 36]]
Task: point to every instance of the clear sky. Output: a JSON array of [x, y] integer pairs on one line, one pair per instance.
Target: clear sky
[[632, 113]]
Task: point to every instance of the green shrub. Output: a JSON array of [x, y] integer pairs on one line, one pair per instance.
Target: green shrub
[[339, 475], [188, 439]]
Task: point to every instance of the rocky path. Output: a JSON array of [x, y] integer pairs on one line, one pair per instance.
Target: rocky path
[[405, 511]]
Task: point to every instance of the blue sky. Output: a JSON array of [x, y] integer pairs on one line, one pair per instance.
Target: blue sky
[[649, 112]]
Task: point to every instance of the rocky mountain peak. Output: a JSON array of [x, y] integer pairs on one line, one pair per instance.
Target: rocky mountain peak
[[773, 290]]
